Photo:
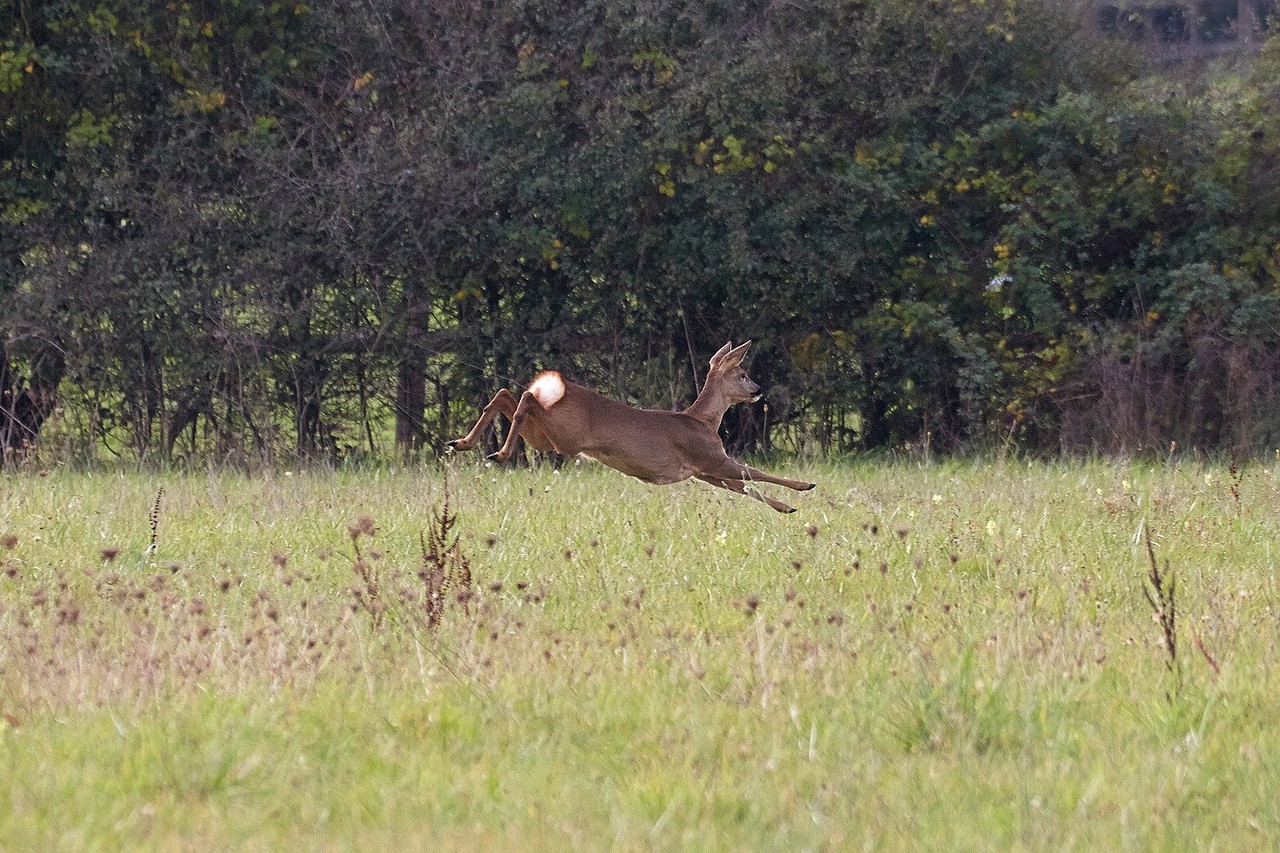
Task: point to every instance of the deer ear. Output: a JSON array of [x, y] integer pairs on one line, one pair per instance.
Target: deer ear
[[720, 354], [734, 357]]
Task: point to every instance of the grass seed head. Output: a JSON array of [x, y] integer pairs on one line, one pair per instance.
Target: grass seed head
[[364, 526]]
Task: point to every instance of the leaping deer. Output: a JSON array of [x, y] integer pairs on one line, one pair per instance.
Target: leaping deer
[[654, 446]]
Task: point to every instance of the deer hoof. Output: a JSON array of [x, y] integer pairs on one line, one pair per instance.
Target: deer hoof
[[499, 457], [810, 486]]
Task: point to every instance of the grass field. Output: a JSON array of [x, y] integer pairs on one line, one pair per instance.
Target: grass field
[[954, 655]]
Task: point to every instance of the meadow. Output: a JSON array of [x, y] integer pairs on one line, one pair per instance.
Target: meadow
[[945, 655]]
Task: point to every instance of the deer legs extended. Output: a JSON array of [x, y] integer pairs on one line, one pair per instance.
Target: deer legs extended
[[522, 425], [503, 403], [730, 469], [741, 487], [737, 477]]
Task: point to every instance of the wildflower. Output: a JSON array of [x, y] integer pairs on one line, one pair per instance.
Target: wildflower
[[937, 499]]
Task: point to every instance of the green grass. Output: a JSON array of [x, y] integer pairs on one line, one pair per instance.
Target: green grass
[[924, 656]]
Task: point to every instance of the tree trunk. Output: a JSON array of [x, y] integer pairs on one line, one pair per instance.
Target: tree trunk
[[25, 406], [411, 373]]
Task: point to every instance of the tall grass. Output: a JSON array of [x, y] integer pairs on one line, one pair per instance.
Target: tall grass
[[957, 655]]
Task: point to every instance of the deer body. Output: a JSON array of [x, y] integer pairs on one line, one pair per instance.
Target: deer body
[[655, 446]]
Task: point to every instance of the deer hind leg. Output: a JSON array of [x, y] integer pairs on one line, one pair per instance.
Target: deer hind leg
[[740, 486], [503, 403], [524, 421]]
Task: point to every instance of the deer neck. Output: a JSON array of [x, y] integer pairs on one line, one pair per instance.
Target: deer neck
[[710, 406]]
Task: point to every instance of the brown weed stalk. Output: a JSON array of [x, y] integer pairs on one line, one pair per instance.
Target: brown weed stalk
[[1237, 478], [368, 594], [1160, 591], [154, 518], [1209, 658], [445, 566]]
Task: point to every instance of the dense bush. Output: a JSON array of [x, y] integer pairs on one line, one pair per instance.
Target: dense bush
[[245, 228]]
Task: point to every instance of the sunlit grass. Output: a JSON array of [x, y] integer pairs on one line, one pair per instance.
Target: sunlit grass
[[956, 655]]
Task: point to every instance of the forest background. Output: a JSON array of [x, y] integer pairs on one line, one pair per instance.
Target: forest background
[[249, 230]]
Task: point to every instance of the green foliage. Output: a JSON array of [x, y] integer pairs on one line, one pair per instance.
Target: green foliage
[[254, 228]]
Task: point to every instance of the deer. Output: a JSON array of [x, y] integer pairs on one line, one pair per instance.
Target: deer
[[655, 446]]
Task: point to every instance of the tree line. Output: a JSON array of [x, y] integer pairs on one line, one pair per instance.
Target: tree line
[[248, 229]]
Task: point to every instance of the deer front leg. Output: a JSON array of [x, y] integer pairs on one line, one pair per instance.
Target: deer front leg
[[731, 469], [740, 487], [503, 403]]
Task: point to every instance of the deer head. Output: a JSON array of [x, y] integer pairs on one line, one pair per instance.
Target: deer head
[[728, 374]]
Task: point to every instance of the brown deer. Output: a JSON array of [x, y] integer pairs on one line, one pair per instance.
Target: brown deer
[[652, 445]]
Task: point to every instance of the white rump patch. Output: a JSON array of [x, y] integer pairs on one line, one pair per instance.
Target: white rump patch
[[548, 388]]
